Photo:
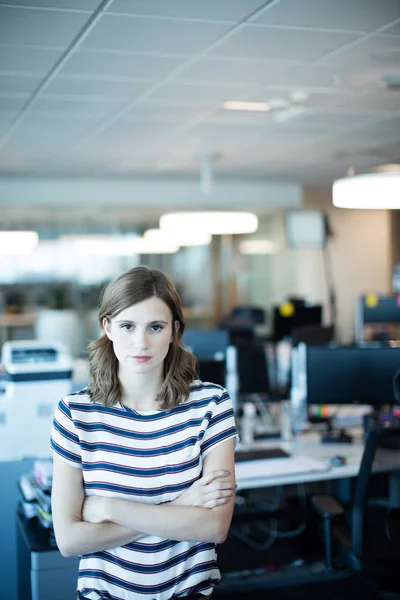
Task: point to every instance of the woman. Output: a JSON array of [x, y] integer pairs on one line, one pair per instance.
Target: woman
[[143, 459]]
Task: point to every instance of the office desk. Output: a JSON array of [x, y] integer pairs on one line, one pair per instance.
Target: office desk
[[308, 445]]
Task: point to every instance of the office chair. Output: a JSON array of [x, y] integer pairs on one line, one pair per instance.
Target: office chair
[[371, 540]]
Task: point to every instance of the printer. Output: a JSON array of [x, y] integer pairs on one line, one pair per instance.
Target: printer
[[36, 375]]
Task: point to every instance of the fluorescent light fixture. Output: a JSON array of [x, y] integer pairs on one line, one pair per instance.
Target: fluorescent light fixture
[[213, 222], [100, 244], [155, 246], [16, 243], [250, 106], [182, 238], [257, 247], [370, 191], [305, 229]]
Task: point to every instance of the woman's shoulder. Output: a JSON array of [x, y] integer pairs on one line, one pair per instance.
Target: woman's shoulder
[[81, 397], [206, 390]]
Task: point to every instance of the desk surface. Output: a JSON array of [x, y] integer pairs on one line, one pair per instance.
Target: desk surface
[[307, 445]]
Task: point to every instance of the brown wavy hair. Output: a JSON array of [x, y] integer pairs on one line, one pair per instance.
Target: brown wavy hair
[[136, 285]]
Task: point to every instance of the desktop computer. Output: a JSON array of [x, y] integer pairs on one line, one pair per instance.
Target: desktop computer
[[344, 375]]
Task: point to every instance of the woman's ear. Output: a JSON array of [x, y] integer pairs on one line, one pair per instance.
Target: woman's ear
[[176, 327], [107, 328]]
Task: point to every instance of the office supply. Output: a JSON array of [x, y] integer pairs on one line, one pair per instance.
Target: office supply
[[261, 454]]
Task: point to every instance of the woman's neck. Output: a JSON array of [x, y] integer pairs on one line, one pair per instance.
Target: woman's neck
[[140, 391]]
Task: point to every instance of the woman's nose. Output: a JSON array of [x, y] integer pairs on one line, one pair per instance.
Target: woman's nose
[[141, 340]]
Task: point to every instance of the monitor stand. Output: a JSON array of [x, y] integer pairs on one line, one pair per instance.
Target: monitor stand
[[335, 436]]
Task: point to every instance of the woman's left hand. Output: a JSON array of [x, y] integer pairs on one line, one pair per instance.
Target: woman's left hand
[[94, 509]]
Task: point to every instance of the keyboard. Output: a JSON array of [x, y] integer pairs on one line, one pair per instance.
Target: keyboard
[[261, 454]]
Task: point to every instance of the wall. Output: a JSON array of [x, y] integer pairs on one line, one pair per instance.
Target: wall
[[361, 257]]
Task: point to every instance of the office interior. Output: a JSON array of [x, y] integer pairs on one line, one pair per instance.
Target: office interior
[[115, 113]]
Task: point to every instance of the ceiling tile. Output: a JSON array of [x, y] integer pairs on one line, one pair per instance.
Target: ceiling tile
[[89, 86], [200, 94], [14, 84], [13, 102], [35, 60], [88, 5], [91, 107], [121, 65], [234, 71], [372, 103], [212, 10], [160, 111], [152, 35], [264, 42], [39, 27], [356, 15], [371, 53]]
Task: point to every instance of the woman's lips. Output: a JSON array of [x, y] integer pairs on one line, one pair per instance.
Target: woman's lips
[[141, 358]]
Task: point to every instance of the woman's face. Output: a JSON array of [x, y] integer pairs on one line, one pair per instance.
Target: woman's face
[[141, 335]]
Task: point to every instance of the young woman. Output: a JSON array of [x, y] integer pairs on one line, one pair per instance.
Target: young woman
[[143, 459]]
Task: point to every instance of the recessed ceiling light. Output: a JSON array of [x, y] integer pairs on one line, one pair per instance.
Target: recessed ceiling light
[[250, 106]]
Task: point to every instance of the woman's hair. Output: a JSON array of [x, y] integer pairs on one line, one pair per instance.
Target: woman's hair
[[134, 286]]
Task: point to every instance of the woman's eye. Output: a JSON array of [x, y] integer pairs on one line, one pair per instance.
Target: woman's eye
[[126, 326], [156, 327]]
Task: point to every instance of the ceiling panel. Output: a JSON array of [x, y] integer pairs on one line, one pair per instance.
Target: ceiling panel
[[14, 84], [235, 71], [160, 111], [212, 10], [198, 93], [92, 107], [370, 53], [87, 5], [106, 64], [10, 102], [373, 103], [356, 15], [28, 60], [91, 86], [265, 42], [39, 27], [152, 35]]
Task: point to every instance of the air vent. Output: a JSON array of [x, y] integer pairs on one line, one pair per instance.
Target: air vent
[[392, 82]]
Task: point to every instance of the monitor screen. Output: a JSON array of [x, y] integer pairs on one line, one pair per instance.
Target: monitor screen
[[213, 371], [351, 374], [283, 326], [206, 343]]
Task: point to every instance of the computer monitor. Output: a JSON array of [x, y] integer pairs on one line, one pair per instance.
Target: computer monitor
[[302, 316], [213, 371], [206, 343], [252, 368], [313, 334], [378, 318], [362, 374]]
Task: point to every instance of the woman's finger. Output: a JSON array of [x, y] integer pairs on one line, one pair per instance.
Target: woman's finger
[[212, 475]]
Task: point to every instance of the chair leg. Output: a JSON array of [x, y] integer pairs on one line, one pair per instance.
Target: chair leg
[[328, 543]]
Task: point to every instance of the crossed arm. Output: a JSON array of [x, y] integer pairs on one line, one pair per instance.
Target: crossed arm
[[202, 513]]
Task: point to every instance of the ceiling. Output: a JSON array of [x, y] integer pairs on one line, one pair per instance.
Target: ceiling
[[137, 86]]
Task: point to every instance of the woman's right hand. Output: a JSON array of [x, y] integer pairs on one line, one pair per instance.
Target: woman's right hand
[[209, 491]]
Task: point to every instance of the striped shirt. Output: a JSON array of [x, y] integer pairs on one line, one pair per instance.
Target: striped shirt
[[144, 456]]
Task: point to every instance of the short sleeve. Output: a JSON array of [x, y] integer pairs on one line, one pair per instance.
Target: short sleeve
[[64, 439], [221, 423]]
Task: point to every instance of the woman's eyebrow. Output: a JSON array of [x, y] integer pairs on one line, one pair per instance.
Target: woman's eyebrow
[[149, 323]]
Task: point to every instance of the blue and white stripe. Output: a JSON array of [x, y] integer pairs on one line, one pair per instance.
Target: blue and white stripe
[[152, 457]]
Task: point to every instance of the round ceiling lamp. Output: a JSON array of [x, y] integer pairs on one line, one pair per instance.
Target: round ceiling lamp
[[213, 222], [369, 191]]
